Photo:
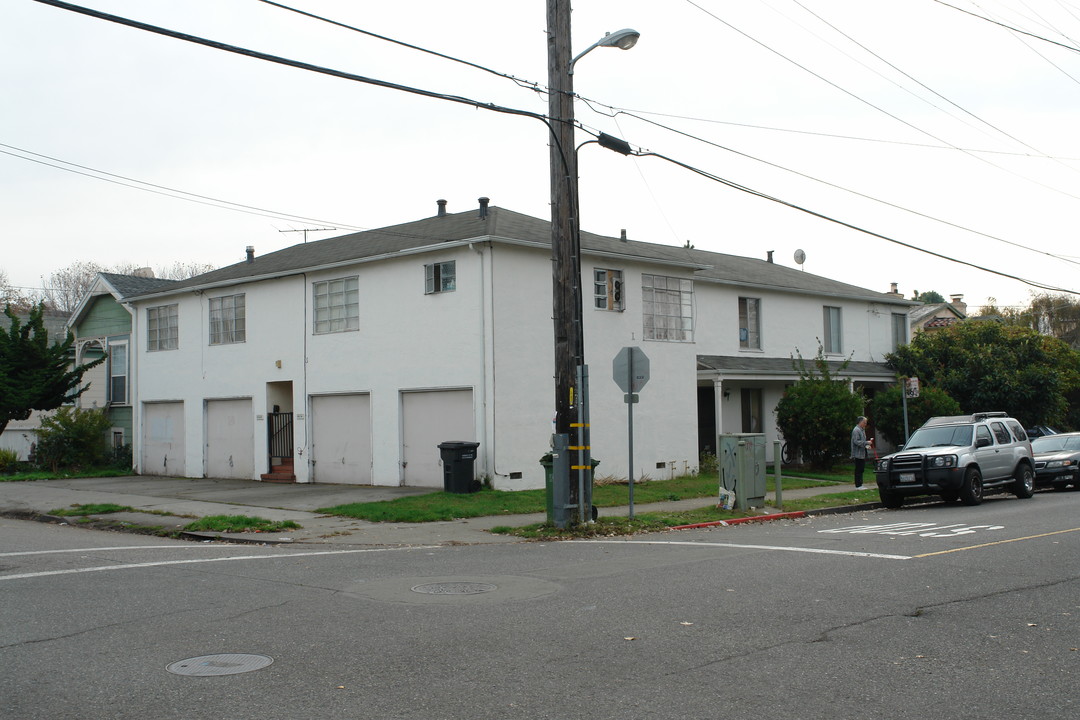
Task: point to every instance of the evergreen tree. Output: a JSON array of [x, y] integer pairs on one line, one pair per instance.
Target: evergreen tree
[[35, 375]]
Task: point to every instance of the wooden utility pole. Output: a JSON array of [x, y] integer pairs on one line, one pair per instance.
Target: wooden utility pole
[[565, 242]]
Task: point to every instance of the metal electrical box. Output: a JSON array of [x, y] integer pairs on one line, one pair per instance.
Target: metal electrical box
[[747, 469]]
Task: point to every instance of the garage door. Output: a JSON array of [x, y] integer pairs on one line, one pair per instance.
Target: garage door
[[163, 439], [230, 439], [341, 438], [430, 418]]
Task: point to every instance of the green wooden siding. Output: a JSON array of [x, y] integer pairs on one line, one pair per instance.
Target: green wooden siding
[[120, 417], [105, 317]]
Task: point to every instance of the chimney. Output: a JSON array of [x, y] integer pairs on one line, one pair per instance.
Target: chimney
[[143, 272], [484, 207], [769, 253], [957, 301], [442, 207], [622, 234], [893, 289], [250, 253]]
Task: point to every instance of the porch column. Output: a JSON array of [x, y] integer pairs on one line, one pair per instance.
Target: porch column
[[718, 402]]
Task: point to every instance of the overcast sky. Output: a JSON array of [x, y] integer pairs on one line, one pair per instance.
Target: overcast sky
[[907, 118]]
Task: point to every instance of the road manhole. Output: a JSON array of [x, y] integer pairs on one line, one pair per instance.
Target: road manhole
[[454, 588], [214, 665]]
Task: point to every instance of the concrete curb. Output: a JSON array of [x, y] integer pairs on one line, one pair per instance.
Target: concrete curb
[[780, 516]]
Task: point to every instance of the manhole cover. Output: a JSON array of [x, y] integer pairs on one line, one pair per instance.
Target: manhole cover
[[213, 665], [454, 588]]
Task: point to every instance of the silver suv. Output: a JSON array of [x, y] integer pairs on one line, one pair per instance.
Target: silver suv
[[959, 458]]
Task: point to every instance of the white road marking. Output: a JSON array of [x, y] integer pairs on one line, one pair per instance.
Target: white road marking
[[913, 528], [816, 551], [189, 546], [132, 566]]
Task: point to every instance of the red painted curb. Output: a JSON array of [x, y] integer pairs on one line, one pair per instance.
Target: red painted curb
[[739, 521]]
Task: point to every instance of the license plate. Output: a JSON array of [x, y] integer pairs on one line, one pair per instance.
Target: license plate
[[907, 477]]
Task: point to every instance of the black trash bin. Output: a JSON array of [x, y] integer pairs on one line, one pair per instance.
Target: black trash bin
[[457, 460]]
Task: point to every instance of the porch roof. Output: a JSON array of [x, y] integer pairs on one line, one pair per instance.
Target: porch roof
[[739, 366]]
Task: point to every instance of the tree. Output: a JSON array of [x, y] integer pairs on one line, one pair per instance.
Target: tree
[[66, 287], [1057, 315], [887, 408], [35, 375], [816, 414], [986, 365], [929, 297], [13, 296]]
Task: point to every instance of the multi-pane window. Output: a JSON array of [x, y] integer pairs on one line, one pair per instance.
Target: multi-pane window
[[899, 330], [833, 337], [440, 277], [227, 320], [162, 328], [667, 308], [337, 305], [749, 324], [607, 289], [118, 373]]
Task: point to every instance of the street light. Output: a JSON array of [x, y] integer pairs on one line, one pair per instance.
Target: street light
[[570, 372], [623, 39]]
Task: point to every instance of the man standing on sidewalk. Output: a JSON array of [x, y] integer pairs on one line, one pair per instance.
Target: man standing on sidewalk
[[859, 446]]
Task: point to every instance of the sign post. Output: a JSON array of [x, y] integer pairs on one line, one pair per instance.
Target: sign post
[[631, 371]]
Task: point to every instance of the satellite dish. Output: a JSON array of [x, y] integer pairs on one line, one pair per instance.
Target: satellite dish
[[800, 257]]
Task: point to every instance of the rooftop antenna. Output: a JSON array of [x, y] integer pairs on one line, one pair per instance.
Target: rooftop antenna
[[307, 230], [800, 258]]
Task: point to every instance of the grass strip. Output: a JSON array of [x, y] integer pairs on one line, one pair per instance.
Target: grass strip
[[238, 524]]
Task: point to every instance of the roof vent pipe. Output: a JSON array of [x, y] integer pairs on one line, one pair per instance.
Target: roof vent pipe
[[769, 253], [442, 207], [250, 253], [484, 206], [622, 234]]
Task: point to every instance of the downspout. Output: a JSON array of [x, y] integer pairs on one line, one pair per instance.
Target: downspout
[[305, 401]]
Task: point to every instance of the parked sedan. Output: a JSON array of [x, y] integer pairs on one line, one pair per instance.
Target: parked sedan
[[1040, 430], [1057, 460]]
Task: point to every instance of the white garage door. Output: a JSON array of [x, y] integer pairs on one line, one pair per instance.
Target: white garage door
[[230, 439], [341, 438], [163, 439], [430, 418]]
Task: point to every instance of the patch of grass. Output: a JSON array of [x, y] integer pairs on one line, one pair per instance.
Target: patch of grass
[[443, 506], [92, 509], [855, 497], [239, 523], [30, 475]]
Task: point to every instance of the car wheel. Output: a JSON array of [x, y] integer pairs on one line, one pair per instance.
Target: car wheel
[[971, 492], [890, 500], [1024, 487]]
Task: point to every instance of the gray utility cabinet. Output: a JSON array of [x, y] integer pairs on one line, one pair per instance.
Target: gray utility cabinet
[[747, 470]]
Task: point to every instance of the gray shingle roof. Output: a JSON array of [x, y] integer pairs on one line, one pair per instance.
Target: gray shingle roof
[[501, 224], [786, 366], [131, 285]]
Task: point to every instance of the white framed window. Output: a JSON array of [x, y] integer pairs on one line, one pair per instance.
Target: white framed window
[[228, 319], [336, 305], [833, 335], [118, 373], [608, 289], [899, 330], [440, 277], [667, 308], [749, 323], [163, 328]]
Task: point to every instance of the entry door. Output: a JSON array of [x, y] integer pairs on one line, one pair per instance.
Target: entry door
[[430, 418], [341, 438], [163, 439], [230, 439]]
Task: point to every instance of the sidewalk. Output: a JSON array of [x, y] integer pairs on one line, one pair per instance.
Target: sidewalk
[[190, 498]]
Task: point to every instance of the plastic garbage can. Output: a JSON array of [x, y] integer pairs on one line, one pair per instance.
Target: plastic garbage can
[[457, 459]]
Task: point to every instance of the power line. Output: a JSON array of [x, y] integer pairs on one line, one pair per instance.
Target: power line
[[1009, 27]]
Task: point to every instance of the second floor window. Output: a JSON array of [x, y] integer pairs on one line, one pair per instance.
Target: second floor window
[[440, 277], [833, 337], [162, 328], [608, 289], [667, 308], [899, 330], [118, 373], [227, 320], [337, 305], [749, 325]]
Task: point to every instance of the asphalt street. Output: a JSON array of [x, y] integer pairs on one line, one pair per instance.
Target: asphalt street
[[929, 611]]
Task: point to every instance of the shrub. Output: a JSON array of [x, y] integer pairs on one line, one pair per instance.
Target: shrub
[[9, 461], [887, 409], [73, 438]]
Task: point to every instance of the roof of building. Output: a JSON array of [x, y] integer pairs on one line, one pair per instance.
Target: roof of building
[[920, 312], [743, 365], [131, 285], [501, 225]]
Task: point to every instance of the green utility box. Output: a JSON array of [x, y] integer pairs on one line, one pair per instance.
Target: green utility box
[[742, 469]]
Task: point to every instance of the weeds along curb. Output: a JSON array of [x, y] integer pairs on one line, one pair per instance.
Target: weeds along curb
[[780, 516]]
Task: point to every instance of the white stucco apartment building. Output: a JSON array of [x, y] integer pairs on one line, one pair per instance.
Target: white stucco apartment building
[[373, 348]]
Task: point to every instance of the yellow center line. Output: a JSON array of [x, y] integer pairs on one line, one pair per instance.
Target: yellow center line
[[999, 542]]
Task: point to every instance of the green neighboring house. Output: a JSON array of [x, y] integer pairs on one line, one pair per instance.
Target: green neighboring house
[[102, 326]]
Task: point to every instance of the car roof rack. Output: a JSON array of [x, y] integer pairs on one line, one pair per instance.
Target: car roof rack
[[983, 415]]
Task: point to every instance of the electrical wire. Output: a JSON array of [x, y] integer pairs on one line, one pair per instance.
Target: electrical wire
[[1009, 27]]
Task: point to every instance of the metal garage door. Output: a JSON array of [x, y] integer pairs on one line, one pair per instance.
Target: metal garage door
[[163, 439], [230, 439], [341, 438], [430, 418]]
